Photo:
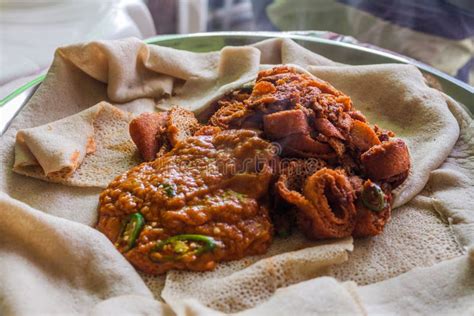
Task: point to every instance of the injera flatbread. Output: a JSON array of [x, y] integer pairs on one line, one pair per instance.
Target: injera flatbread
[[437, 224], [59, 151]]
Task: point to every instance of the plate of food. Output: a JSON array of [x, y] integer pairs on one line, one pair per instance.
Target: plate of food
[[216, 174]]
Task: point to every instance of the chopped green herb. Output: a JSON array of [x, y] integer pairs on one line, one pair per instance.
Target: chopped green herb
[[169, 189]]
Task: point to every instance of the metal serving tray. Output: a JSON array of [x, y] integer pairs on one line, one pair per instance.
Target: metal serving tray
[[203, 42]]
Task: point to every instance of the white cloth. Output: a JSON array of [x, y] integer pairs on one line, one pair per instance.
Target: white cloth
[[30, 31]]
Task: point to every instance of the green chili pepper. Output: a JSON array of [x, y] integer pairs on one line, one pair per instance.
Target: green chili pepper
[[373, 197], [169, 189], [186, 244], [131, 230]]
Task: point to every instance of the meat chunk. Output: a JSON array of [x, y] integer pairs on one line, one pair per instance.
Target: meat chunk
[[298, 145], [362, 136], [196, 205], [156, 133], [296, 172], [325, 127], [144, 130], [281, 124], [387, 161], [370, 223]]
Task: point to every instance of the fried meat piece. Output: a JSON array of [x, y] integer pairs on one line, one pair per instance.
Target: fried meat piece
[[144, 130], [326, 206], [296, 172], [156, 133], [281, 124], [229, 114], [325, 127], [370, 223], [194, 206], [387, 161], [307, 117], [363, 136], [298, 145]]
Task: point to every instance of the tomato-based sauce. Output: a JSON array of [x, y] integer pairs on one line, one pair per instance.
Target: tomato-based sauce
[[211, 185]]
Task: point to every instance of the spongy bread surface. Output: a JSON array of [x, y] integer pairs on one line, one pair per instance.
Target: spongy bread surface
[[417, 236], [242, 284], [113, 151], [393, 95]]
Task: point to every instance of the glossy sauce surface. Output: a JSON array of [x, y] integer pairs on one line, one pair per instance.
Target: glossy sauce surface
[[209, 185]]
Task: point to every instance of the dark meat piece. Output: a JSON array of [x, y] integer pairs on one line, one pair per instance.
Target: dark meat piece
[[156, 133], [281, 124], [144, 130], [299, 145], [386, 161], [362, 136], [325, 127]]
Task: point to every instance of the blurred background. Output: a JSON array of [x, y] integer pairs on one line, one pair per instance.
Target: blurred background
[[437, 32]]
